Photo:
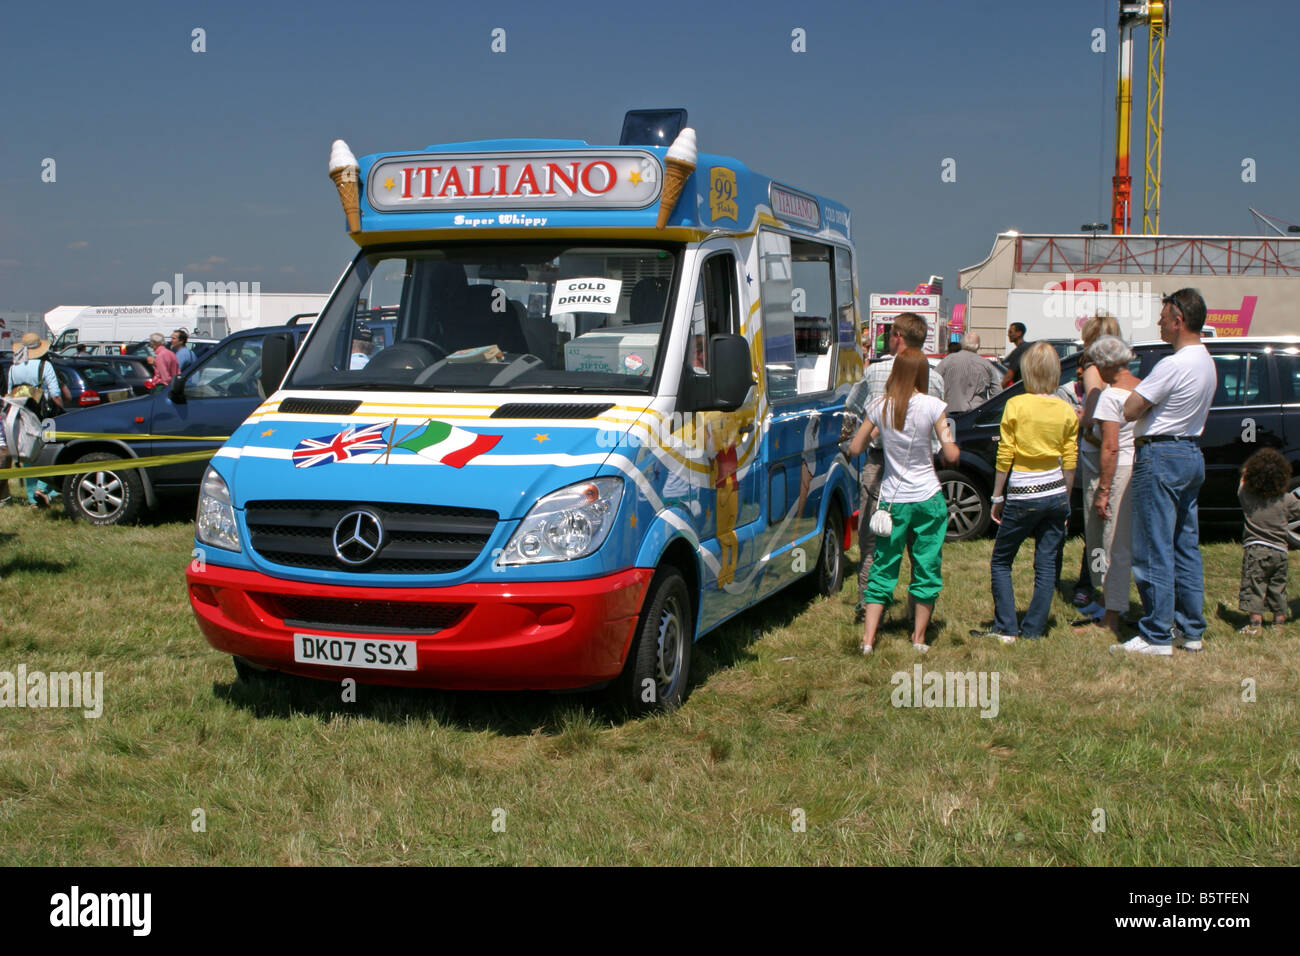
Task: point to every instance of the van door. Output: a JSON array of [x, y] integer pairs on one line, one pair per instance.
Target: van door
[[727, 510], [801, 434]]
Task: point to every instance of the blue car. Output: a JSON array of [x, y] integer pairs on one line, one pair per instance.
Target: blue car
[[207, 402]]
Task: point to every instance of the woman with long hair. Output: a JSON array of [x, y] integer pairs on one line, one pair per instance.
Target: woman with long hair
[[909, 493]]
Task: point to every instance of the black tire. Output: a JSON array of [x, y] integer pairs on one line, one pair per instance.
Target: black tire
[[829, 576], [251, 673], [103, 497], [969, 508], [659, 661]]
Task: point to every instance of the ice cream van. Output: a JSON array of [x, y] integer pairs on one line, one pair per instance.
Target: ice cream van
[[605, 419]]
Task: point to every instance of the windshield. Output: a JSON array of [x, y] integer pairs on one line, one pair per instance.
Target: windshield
[[571, 317]]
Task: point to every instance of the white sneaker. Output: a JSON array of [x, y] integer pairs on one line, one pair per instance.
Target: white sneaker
[[1139, 645], [1004, 638], [1185, 643], [921, 648]]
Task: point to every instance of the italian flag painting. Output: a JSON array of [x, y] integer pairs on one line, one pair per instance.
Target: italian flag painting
[[449, 445]]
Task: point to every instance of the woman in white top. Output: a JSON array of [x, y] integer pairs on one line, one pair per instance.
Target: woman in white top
[[1089, 453], [1108, 532], [909, 490]]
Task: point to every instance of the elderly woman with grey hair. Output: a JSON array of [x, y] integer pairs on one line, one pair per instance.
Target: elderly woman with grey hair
[[1106, 498]]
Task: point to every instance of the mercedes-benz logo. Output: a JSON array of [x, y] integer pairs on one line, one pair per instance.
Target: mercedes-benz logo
[[358, 537]]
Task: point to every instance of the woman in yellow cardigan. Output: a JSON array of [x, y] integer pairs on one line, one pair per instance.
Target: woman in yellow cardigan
[[1037, 455]]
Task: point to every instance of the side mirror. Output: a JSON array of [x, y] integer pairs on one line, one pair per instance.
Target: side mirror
[[725, 388], [277, 351], [733, 371], [176, 389]]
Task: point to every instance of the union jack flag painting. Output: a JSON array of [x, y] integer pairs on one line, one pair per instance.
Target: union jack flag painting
[[340, 447]]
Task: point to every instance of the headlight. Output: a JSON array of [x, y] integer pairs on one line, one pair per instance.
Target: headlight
[[215, 521], [566, 524]]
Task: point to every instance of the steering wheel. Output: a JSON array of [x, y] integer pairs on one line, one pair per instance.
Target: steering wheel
[[432, 345], [411, 354]]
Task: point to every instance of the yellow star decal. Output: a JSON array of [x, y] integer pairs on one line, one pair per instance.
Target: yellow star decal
[[634, 177], [541, 437], [268, 433], [388, 183]]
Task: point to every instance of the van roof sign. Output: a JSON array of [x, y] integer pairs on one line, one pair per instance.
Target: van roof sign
[[794, 206], [612, 179]]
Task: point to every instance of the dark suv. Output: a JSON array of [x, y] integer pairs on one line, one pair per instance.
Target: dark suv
[[210, 400], [1256, 403]]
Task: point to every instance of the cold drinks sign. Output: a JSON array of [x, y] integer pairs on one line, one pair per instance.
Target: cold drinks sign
[[885, 306], [626, 179]]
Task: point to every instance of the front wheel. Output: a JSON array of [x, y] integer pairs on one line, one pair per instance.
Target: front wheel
[[969, 508], [830, 566], [104, 496], [659, 660]]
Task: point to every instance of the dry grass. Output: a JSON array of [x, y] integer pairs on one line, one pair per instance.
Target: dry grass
[[784, 717]]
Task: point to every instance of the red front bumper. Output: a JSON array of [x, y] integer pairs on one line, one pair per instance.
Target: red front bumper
[[529, 636]]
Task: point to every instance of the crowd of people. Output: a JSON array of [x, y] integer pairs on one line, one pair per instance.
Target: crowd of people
[[33, 380], [1133, 446]]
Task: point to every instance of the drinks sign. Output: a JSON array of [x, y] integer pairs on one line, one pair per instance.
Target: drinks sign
[[627, 179]]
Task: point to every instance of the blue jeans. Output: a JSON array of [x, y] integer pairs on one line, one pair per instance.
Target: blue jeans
[[1166, 481], [1046, 519]]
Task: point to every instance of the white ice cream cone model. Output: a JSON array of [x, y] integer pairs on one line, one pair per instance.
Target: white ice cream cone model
[[678, 166], [346, 174]]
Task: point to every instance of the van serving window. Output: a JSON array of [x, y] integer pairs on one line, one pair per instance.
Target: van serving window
[[798, 302]]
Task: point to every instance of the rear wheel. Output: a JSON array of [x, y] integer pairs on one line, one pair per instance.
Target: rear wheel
[[968, 506], [103, 496], [658, 663]]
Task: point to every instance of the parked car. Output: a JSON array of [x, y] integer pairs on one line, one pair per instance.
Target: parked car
[[133, 371], [1256, 403], [88, 382], [212, 399]]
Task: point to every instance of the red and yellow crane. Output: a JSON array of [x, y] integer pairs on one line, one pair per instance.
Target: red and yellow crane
[[1154, 15]]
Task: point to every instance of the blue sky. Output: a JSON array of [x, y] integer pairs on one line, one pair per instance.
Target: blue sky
[[214, 164]]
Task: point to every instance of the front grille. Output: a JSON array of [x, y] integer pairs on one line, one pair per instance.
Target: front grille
[[346, 614], [551, 410], [318, 406], [418, 539]]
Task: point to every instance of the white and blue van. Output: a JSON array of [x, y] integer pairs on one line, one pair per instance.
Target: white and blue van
[[605, 419]]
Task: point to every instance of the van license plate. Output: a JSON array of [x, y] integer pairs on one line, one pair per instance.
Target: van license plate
[[353, 652]]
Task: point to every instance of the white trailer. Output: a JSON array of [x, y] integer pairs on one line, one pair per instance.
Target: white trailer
[[1060, 313], [245, 309], [71, 324]]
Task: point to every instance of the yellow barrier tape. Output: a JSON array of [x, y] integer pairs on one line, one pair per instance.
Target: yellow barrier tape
[[56, 434], [110, 464]]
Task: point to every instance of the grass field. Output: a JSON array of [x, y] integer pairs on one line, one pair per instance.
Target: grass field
[[786, 725]]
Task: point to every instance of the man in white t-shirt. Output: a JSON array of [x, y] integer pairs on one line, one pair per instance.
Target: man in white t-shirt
[[1170, 407]]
